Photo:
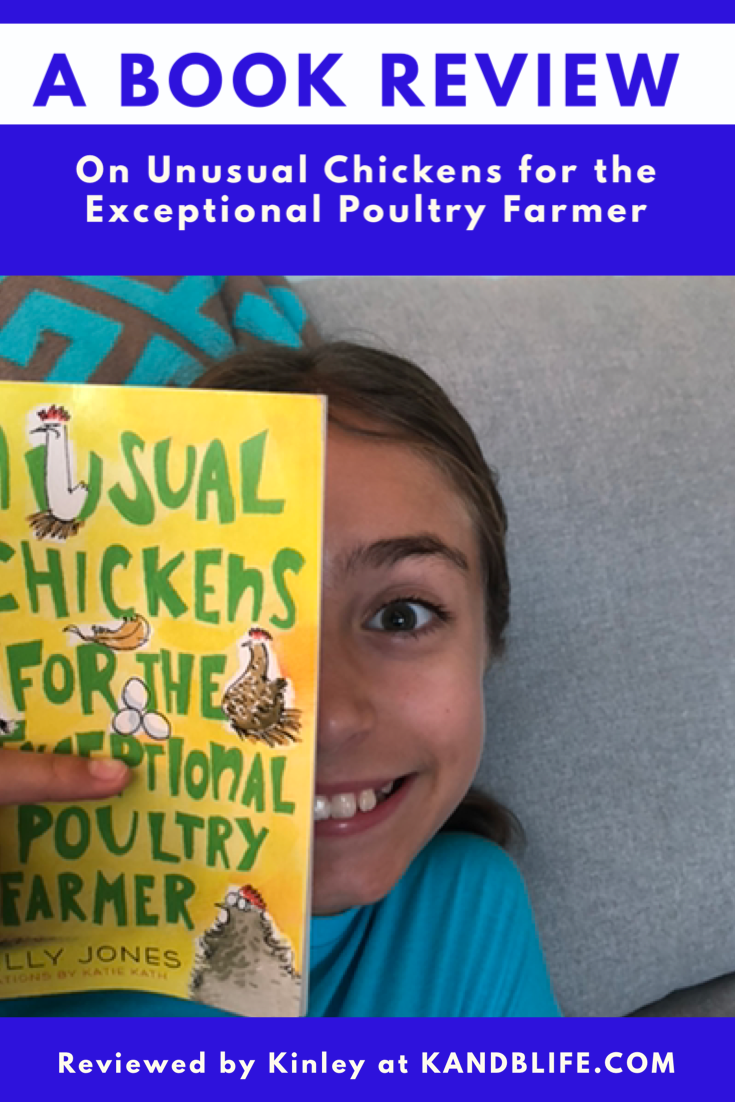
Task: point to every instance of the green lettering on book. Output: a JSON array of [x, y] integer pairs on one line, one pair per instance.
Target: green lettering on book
[[223, 760], [189, 824], [8, 602], [97, 667], [52, 577], [8, 894], [203, 559], [287, 561], [254, 790], [70, 885], [177, 689], [211, 666], [218, 831], [58, 679], [110, 893], [114, 557], [240, 579], [172, 499], [140, 508], [176, 891], [196, 774], [105, 827], [214, 478], [253, 842], [143, 885], [72, 833], [126, 748], [19, 657], [156, 823], [252, 453], [158, 588], [280, 806], [39, 903]]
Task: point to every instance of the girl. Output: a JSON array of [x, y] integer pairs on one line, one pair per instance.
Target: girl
[[417, 910]]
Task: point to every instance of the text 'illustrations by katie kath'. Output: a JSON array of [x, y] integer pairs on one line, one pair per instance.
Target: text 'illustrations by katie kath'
[[159, 600]]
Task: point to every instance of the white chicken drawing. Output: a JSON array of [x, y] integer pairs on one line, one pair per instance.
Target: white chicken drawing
[[64, 501]]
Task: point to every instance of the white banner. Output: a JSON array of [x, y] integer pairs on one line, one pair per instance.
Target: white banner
[[378, 73]]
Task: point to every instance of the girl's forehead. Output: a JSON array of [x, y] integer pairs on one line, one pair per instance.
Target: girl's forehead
[[384, 490]]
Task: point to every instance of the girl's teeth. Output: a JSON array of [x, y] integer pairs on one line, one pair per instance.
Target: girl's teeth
[[321, 808], [345, 804], [367, 800]]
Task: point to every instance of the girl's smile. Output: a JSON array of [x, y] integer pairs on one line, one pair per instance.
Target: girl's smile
[[358, 807], [403, 652]]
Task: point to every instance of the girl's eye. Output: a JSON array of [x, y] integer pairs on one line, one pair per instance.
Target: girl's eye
[[401, 616]]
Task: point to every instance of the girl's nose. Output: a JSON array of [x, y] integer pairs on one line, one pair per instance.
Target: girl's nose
[[346, 708]]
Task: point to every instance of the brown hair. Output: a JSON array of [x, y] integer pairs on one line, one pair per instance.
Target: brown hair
[[395, 400]]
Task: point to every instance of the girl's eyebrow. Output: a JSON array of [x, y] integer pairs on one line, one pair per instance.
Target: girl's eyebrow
[[388, 552]]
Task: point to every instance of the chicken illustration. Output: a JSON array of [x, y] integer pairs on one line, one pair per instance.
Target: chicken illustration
[[132, 632], [243, 963], [7, 726], [256, 704], [60, 519]]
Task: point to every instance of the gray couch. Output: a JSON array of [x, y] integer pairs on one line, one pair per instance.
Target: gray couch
[[607, 405]]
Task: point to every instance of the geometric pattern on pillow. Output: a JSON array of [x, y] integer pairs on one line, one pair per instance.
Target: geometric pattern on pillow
[[140, 330]]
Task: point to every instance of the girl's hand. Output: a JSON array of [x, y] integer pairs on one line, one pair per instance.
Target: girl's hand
[[40, 778]]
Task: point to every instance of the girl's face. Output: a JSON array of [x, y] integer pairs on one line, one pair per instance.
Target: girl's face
[[403, 653]]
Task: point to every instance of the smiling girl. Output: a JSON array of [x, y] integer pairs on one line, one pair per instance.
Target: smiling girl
[[417, 909]]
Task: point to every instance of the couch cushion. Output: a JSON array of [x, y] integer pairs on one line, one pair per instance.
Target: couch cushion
[[607, 406]]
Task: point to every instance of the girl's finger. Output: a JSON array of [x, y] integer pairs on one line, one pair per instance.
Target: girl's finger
[[33, 778]]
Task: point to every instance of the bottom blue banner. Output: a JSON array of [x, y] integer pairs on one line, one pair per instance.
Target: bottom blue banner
[[526, 1058]]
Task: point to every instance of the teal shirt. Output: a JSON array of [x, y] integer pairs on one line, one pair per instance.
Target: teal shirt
[[454, 938]]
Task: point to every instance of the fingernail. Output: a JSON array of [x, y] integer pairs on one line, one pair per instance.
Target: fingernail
[[107, 769]]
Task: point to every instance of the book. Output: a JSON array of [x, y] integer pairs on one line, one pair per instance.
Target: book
[[160, 560]]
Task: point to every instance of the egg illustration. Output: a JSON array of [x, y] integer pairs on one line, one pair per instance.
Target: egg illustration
[[156, 726], [135, 694], [127, 721]]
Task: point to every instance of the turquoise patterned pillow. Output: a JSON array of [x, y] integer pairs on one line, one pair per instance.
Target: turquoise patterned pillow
[[141, 330]]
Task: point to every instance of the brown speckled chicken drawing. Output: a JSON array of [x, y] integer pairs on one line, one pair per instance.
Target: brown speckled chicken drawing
[[243, 963], [257, 705]]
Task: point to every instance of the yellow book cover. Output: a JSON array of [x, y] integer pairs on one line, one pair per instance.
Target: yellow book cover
[[159, 602]]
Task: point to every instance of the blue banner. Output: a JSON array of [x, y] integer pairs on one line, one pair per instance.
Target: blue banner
[[622, 1059], [379, 11], [462, 200]]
